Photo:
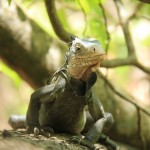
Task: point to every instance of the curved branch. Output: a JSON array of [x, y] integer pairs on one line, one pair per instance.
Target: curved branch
[[144, 17], [57, 26], [129, 42], [117, 63], [106, 27], [134, 13], [21, 46], [124, 62], [125, 28], [121, 95], [145, 69]]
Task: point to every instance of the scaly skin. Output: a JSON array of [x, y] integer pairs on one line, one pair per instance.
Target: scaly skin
[[60, 105], [84, 55]]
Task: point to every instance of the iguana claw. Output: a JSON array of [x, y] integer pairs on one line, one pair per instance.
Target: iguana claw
[[82, 141], [45, 131], [38, 131]]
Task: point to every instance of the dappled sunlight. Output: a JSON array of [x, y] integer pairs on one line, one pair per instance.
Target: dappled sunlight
[[14, 98], [34, 43]]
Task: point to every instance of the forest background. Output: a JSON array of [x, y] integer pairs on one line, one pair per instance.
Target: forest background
[[31, 50]]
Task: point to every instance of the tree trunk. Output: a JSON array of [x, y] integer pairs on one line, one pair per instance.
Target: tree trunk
[[24, 46]]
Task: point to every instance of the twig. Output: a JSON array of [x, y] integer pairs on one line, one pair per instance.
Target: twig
[[134, 13], [145, 1], [131, 59], [143, 144], [106, 27], [107, 32], [57, 26], [145, 17], [121, 95], [145, 69], [125, 28]]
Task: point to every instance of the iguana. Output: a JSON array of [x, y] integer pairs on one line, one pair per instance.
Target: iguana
[[60, 105]]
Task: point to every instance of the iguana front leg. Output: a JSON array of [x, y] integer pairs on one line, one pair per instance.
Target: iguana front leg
[[100, 118], [101, 121], [46, 94], [41, 95]]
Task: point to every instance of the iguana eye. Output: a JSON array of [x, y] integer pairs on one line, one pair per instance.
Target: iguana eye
[[78, 49]]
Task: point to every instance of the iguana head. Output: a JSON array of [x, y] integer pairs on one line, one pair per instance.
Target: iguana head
[[85, 56]]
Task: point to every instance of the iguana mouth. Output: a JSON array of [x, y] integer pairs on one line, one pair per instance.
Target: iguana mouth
[[81, 66]]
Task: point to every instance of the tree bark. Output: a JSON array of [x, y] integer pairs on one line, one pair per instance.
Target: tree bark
[[24, 45]]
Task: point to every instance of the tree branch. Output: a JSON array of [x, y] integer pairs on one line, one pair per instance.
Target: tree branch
[[106, 27], [124, 62], [144, 17], [139, 131], [57, 26], [145, 69], [131, 49], [145, 1], [134, 13], [125, 27], [121, 95], [21, 46], [116, 63]]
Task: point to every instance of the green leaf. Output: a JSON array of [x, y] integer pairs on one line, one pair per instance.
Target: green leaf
[[145, 10], [9, 1], [10, 73], [95, 20]]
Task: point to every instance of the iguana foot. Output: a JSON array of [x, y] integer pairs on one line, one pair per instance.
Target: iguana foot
[[45, 131], [111, 145], [82, 141]]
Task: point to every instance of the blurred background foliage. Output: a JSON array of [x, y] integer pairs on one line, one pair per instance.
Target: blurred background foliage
[[85, 18]]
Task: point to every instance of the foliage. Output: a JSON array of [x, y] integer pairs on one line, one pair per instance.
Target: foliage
[[9, 1], [89, 19], [96, 19], [10, 73]]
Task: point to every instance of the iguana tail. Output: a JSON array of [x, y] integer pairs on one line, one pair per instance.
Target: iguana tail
[[17, 121]]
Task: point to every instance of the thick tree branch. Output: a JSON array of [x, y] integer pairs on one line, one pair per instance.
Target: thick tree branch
[[116, 63], [22, 47], [57, 26]]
